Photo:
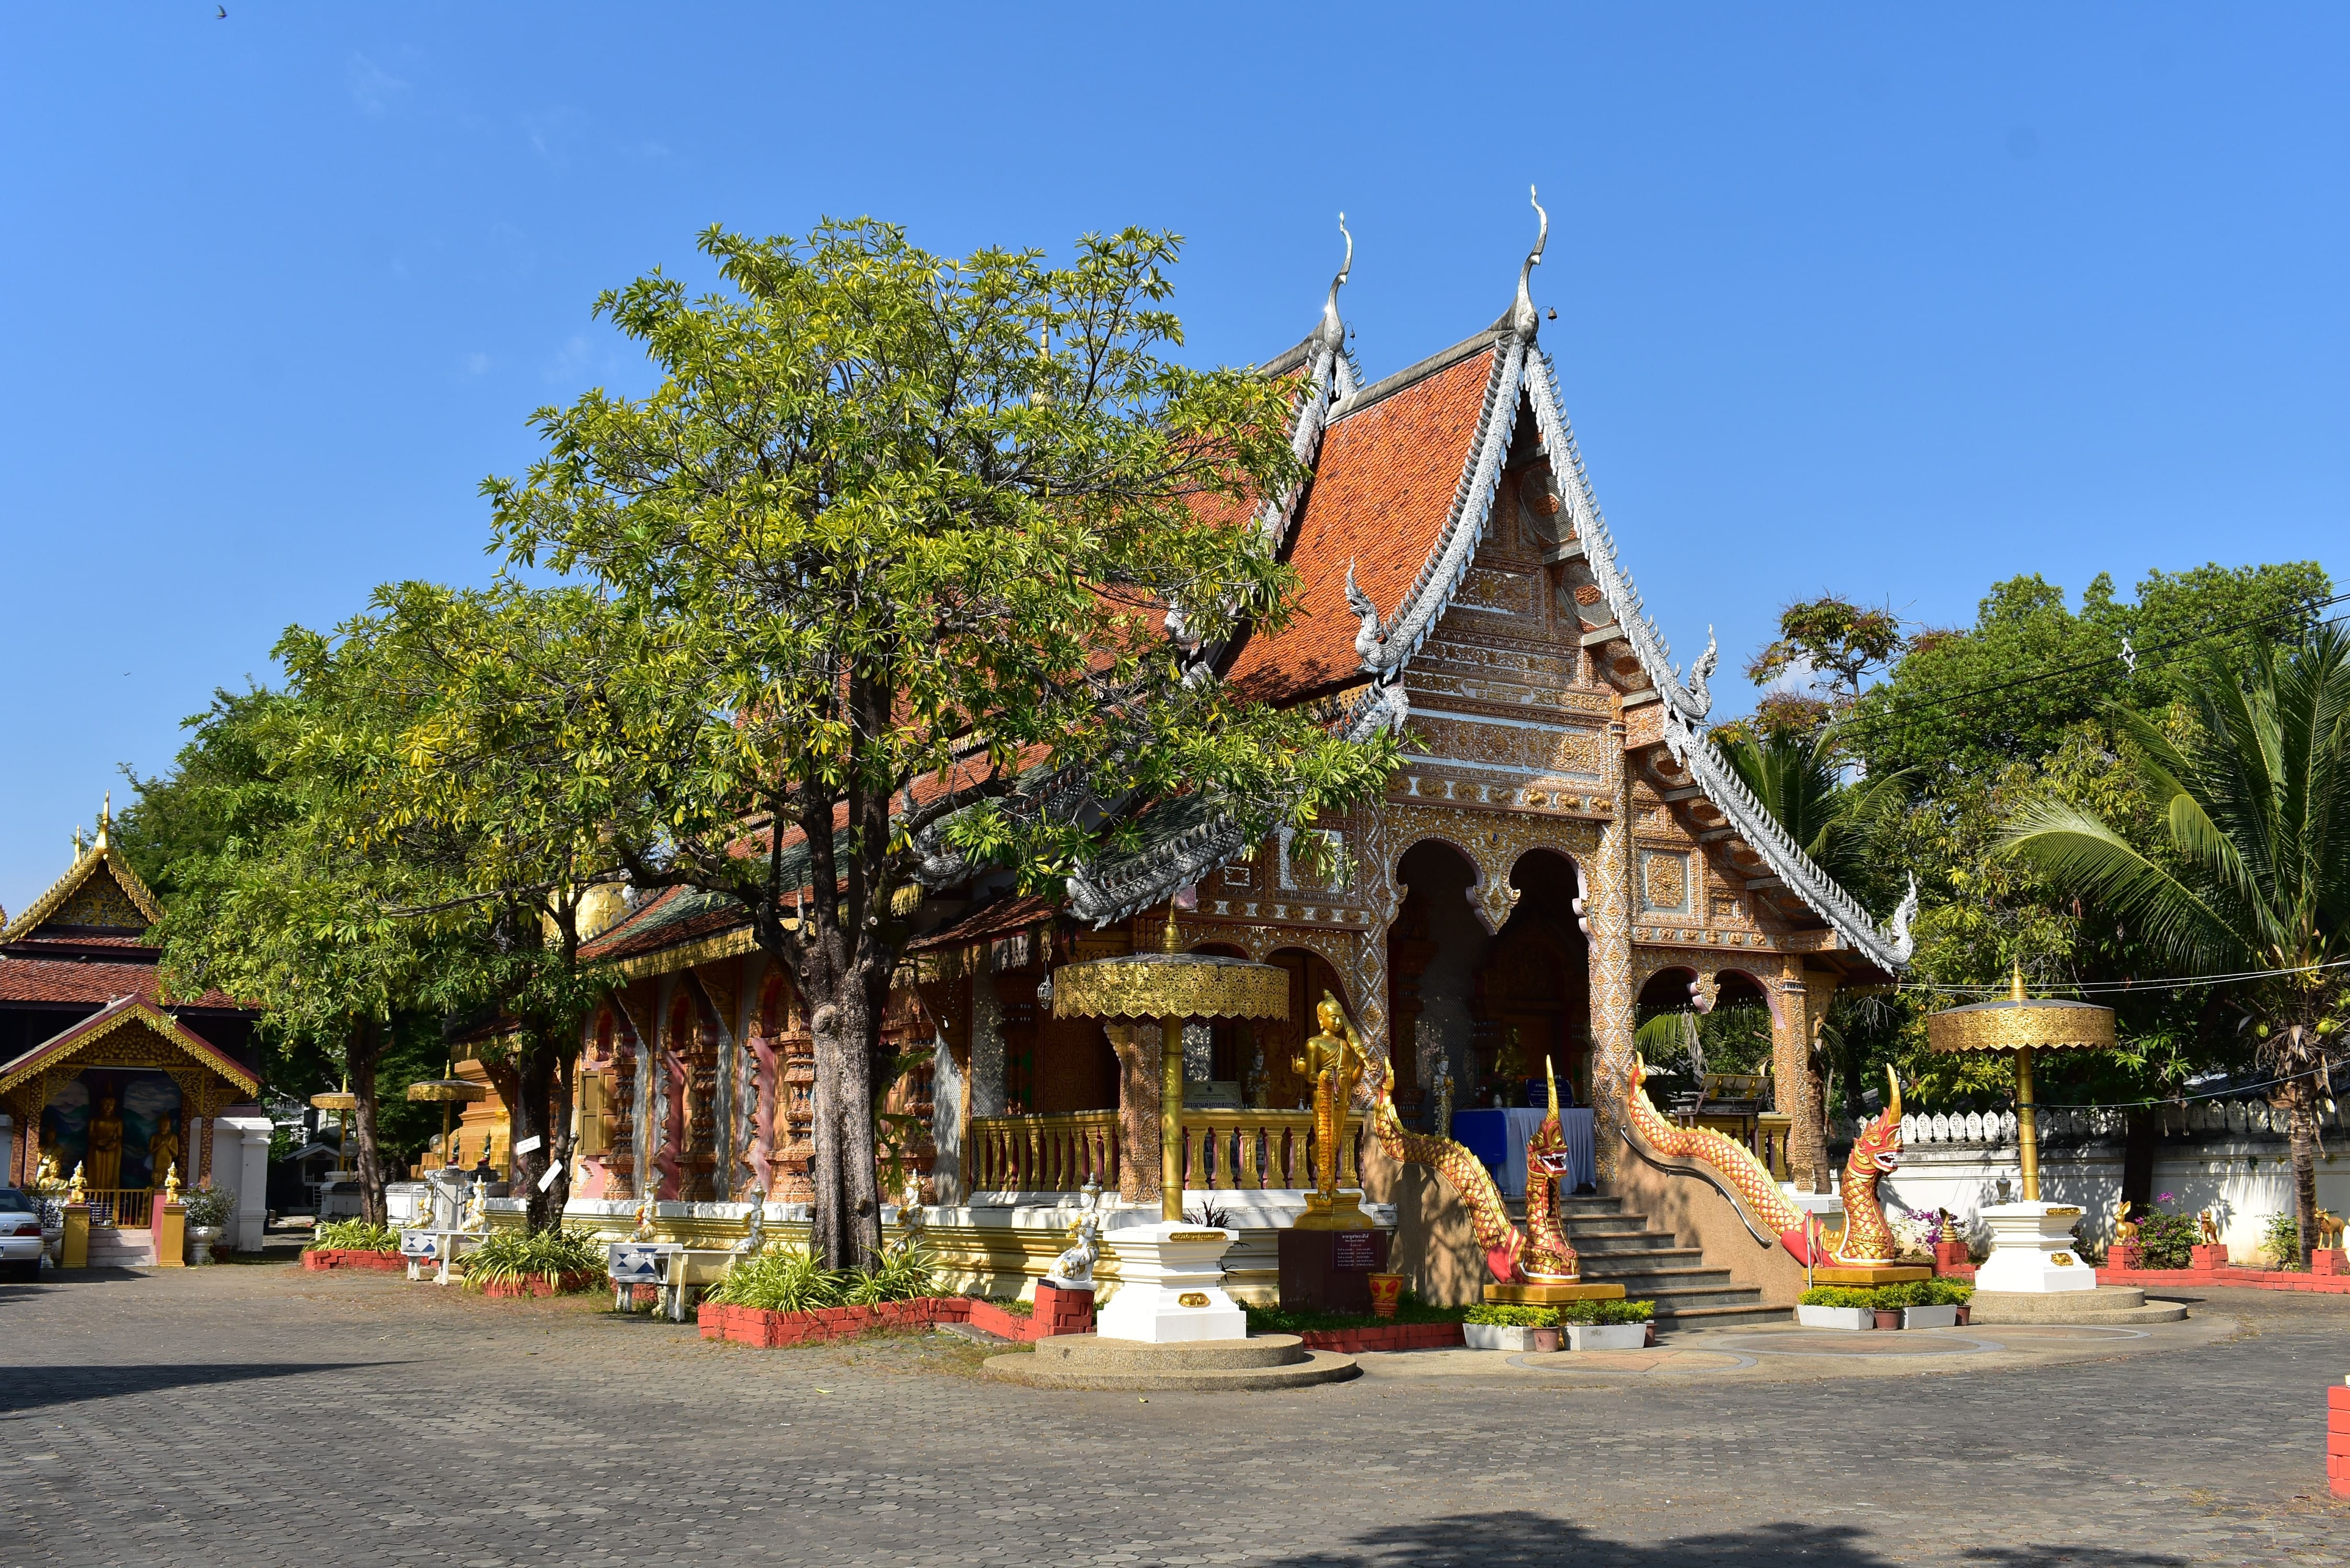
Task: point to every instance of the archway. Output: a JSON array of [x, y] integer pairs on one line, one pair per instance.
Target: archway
[[1435, 947], [1536, 987]]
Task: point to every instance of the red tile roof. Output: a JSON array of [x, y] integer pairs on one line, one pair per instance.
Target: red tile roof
[[675, 915], [63, 980], [1000, 919], [128, 1012], [1380, 496]]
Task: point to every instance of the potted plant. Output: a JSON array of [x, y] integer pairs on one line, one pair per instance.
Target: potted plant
[[1609, 1326], [1500, 1326], [1837, 1306], [1547, 1340], [1927, 1303], [208, 1209]]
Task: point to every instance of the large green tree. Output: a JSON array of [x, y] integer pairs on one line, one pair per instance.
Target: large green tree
[[890, 551], [2255, 805]]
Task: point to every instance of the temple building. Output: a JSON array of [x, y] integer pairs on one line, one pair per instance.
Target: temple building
[[1559, 842], [101, 1072]]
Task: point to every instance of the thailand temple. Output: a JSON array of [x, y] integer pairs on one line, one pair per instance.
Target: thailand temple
[[1559, 843], [102, 1073]]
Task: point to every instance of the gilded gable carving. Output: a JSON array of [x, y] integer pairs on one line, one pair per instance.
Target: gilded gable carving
[[101, 902]]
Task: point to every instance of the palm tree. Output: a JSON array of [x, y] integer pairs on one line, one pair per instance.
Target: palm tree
[[2253, 874], [1798, 776]]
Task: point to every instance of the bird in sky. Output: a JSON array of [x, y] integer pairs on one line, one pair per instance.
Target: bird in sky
[[220, 13]]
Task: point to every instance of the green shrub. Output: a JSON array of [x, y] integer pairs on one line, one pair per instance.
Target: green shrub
[[1409, 1309], [1505, 1315], [2167, 1240], [1948, 1292], [214, 1205], [1909, 1294], [2283, 1241], [783, 1278], [1585, 1315], [352, 1236], [548, 1255], [1838, 1296]]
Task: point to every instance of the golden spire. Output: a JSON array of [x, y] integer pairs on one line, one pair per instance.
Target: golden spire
[[79, 848], [2016, 985], [1550, 1076], [105, 816]]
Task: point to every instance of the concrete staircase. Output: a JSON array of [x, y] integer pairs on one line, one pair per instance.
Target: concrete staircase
[[1618, 1248], [113, 1249]]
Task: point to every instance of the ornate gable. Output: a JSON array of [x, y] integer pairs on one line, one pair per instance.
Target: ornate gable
[[100, 895]]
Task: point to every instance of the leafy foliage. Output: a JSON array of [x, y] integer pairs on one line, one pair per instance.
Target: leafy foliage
[[1508, 1315], [553, 1255], [876, 583], [2167, 1240], [786, 1277], [1585, 1313], [210, 1204], [352, 1236]]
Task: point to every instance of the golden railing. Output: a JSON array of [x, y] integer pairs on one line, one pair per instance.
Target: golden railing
[[125, 1208], [1053, 1153], [1250, 1151]]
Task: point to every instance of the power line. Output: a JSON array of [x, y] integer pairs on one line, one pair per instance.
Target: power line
[[2115, 987]]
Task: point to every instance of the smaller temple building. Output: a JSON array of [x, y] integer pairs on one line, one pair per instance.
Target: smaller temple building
[[99, 1073]]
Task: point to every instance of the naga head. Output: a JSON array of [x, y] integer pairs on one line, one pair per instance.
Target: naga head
[[1546, 1150], [1877, 1150]]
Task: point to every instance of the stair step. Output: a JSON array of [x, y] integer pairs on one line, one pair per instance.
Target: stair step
[[1692, 1276], [1641, 1244], [1721, 1316]]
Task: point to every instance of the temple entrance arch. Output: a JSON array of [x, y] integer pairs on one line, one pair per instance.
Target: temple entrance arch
[[1537, 984], [1277, 1045]]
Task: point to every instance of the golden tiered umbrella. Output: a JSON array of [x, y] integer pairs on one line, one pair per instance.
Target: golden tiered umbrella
[[1170, 986], [342, 1102], [2024, 1025], [450, 1091]]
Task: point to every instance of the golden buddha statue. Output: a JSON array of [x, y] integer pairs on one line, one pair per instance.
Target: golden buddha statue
[[162, 1151], [103, 1160], [1332, 1064]]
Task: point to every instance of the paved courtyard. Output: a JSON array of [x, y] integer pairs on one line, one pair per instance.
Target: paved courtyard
[[254, 1415]]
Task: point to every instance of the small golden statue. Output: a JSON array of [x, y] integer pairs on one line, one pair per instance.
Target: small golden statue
[[74, 1191], [171, 1183], [644, 1231], [2125, 1228], [2210, 1227], [1332, 1064]]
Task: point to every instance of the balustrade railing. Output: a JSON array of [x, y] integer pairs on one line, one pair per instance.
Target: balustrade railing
[[125, 1208], [1242, 1149]]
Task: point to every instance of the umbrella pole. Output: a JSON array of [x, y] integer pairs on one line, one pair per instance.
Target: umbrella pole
[[1171, 1119], [2027, 1128]]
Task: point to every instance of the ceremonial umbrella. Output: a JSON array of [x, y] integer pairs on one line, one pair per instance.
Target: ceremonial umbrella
[[342, 1102], [2023, 1025], [1170, 986], [449, 1091]]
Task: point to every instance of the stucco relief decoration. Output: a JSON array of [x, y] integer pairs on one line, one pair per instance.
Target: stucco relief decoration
[[1502, 593], [1587, 594], [1545, 514], [1664, 881]]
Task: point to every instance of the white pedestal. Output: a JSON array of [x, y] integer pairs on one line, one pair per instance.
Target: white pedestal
[[1170, 1285], [2032, 1249]]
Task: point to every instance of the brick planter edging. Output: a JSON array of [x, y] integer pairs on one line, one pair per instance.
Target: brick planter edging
[[2337, 1437], [320, 1259], [1387, 1336], [536, 1285], [2258, 1279], [1058, 1312]]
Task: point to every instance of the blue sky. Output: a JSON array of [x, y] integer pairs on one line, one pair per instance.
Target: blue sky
[[1876, 299]]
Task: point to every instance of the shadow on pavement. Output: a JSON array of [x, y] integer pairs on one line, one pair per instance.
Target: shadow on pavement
[[37, 1387], [1478, 1541]]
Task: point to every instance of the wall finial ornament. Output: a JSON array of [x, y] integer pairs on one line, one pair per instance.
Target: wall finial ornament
[[1524, 318]]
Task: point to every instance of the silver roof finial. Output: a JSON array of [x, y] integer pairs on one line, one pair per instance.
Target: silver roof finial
[[1333, 331], [1523, 318]]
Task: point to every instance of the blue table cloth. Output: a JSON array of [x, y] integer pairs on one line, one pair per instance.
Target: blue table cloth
[[1498, 1139]]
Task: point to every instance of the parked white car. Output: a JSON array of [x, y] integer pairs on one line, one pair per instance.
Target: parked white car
[[20, 1236]]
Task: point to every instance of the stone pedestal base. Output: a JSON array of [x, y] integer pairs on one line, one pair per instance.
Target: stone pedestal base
[[1329, 1270], [2033, 1251], [1552, 1295], [1870, 1274], [1342, 1212], [1170, 1285]]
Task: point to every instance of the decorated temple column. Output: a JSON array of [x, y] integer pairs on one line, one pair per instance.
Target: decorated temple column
[[1798, 1007], [1607, 920], [1139, 1092], [987, 1045]]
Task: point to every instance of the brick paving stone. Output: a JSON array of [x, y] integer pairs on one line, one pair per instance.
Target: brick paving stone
[[259, 1415]]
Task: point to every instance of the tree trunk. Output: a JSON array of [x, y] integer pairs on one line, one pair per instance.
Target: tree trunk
[[846, 1230], [527, 1118], [2138, 1158], [2301, 1112], [366, 1045]]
